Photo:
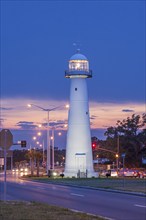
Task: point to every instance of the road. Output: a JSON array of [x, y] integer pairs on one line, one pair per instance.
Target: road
[[112, 205]]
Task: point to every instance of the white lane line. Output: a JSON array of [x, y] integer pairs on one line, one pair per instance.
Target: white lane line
[[74, 194], [141, 206], [39, 187], [22, 183]]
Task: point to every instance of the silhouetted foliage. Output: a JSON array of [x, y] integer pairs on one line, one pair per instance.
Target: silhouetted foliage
[[132, 138]]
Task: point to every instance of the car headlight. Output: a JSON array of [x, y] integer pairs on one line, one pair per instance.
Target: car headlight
[[54, 174], [21, 174]]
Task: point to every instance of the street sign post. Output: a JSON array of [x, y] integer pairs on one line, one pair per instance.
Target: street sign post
[[6, 141], [123, 156]]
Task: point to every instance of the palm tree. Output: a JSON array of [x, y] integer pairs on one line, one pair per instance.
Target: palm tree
[[31, 156], [38, 156], [17, 164], [34, 155]]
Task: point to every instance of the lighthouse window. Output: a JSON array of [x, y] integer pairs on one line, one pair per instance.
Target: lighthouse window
[[75, 89], [79, 65]]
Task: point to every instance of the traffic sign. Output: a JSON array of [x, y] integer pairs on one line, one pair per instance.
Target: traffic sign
[[23, 143], [6, 139], [123, 155]]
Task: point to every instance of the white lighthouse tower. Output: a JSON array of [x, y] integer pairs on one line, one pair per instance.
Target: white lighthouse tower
[[79, 161]]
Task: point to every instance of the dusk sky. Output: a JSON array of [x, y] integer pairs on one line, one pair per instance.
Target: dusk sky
[[37, 40]]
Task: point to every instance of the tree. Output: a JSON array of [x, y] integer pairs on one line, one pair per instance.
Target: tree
[[17, 164], [131, 136], [38, 156], [31, 155]]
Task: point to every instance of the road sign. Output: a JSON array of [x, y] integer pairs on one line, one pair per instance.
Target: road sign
[[6, 139], [123, 155], [23, 143]]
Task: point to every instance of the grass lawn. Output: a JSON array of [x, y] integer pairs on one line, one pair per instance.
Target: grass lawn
[[13, 210], [126, 184]]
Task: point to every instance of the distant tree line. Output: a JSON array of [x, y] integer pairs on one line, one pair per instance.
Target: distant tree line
[[25, 155], [130, 135]]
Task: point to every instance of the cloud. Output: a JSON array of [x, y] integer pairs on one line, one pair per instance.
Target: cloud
[[52, 124], [101, 114], [93, 117], [26, 125], [5, 109], [127, 110], [2, 119], [58, 123]]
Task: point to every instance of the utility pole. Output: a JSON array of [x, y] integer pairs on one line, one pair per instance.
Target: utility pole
[[118, 150]]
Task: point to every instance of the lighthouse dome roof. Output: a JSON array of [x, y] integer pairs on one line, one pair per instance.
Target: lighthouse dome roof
[[78, 56]]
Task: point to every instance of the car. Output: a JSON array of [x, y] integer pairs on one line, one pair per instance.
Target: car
[[128, 173], [15, 171], [131, 173], [103, 173], [112, 173], [136, 174], [142, 174], [23, 171]]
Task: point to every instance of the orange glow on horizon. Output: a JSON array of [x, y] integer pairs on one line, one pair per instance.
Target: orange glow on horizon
[[102, 115]]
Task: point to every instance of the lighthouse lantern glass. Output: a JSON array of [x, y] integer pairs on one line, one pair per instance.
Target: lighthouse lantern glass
[[80, 65]]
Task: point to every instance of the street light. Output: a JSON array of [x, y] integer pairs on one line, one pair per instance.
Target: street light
[[117, 158], [53, 144], [118, 151], [41, 145], [48, 110]]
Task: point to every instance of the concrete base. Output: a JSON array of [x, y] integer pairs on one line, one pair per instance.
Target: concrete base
[[79, 174]]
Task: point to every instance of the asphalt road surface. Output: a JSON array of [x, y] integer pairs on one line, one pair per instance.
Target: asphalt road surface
[[117, 206]]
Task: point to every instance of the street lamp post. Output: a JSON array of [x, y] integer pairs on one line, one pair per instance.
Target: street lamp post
[[52, 138], [48, 110], [123, 156], [43, 144], [53, 144], [48, 145], [118, 149], [117, 159], [43, 152]]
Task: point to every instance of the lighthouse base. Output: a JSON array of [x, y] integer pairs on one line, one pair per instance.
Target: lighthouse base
[[80, 174]]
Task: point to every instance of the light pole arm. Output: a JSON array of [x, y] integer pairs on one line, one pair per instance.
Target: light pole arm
[[38, 107], [45, 109]]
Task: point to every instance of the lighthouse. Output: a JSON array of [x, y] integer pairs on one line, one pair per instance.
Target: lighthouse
[[79, 160]]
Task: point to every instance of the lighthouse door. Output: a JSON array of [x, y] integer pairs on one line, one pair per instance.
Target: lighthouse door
[[81, 164]]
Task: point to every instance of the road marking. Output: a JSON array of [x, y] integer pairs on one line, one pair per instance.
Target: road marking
[[141, 206], [39, 187], [22, 183], [74, 194]]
